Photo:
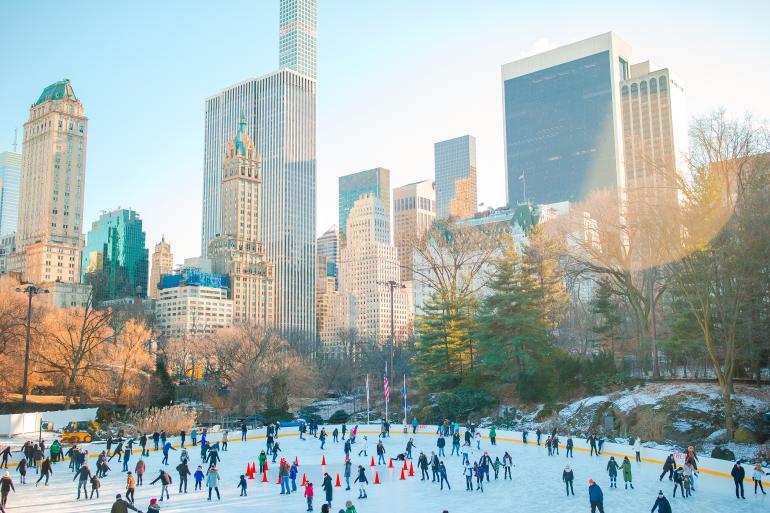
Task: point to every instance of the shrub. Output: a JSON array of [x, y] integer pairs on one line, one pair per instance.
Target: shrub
[[171, 419], [338, 417], [273, 415]]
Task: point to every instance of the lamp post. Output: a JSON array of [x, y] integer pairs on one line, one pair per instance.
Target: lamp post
[[392, 285], [29, 290]]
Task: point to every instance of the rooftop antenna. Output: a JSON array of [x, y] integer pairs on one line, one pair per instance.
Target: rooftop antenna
[[15, 139]]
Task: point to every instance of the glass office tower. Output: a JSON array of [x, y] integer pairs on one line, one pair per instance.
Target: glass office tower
[[563, 133], [10, 176], [455, 167], [115, 259], [351, 187]]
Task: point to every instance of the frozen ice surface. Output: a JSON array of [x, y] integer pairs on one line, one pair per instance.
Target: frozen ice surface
[[536, 485]]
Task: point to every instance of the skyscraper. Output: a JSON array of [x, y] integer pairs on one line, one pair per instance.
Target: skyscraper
[[162, 263], [351, 187], [563, 133], [10, 174], [328, 247], [414, 210], [237, 251], [455, 163], [654, 134], [297, 41], [367, 261], [49, 236], [115, 257], [280, 120]]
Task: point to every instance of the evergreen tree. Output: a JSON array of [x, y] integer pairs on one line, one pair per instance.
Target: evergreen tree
[[513, 331], [445, 351], [607, 308]]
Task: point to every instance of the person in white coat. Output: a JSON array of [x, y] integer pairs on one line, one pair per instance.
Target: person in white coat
[[638, 449]]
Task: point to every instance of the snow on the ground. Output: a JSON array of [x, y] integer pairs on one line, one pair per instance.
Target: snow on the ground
[[536, 485]]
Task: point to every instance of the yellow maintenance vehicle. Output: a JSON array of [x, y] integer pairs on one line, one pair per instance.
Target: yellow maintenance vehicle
[[77, 432]]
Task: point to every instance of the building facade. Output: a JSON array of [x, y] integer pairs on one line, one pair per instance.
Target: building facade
[[193, 302], [237, 251], [362, 305], [49, 236], [455, 178], [10, 176], [328, 248], [654, 135], [351, 187], [115, 258], [7, 248], [162, 263], [414, 210], [297, 43], [280, 110], [562, 121]]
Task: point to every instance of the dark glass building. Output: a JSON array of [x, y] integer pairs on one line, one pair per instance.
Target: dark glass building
[[563, 137]]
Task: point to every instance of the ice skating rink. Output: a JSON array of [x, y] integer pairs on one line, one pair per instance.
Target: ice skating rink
[[536, 486]]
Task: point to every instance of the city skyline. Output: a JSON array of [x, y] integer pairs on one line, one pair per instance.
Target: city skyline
[[153, 167]]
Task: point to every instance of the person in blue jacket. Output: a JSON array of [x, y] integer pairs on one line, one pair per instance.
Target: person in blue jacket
[[661, 504], [166, 448], [595, 497], [199, 478]]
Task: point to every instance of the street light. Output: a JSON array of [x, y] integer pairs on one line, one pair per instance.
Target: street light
[[392, 285], [29, 290]]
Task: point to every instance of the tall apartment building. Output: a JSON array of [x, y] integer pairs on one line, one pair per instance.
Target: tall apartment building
[[351, 187], [193, 302], [280, 113], [654, 135], [10, 175], [162, 263], [7, 248], [237, 251], [49, 236], [455, 167], [297, 43], [115, 258], [366, 262], [414, 210], [562, 121]]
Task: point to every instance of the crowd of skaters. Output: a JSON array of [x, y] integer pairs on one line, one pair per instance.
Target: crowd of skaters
[[477, 465]]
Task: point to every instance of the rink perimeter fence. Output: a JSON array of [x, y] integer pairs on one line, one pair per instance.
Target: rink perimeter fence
[[14, 424]]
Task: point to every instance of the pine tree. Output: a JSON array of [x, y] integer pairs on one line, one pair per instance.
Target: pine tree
[[513, 330], [606, 307], [445, 351]]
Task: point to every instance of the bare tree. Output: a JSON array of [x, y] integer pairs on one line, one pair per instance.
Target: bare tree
[[75, 340], [718, 261]]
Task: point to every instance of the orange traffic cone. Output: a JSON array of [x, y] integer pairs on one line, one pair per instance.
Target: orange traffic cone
[[404, 467], [304, 479], [402, 478], [323, 460], [264, 476], [372, 461], [390, 463], [296, 461], [337, 483], [279, 479], [249, 472], [376, 477], [265, 465], [411, 469]]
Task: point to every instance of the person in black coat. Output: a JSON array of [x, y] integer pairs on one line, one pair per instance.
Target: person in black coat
[[669, 466], [422, 462], [184, 471], [661, 504], [328, 488], [568, 477], [738, 474]]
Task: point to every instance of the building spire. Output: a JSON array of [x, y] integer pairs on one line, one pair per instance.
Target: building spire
[[240, 147]]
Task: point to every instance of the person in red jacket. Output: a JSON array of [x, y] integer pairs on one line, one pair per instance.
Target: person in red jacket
[[309, 496]]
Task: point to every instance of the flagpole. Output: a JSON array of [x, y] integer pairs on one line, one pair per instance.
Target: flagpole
[[367, 398], [404, 401], [385, 397]]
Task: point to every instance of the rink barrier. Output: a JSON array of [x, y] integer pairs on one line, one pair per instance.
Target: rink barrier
[[577, 447]]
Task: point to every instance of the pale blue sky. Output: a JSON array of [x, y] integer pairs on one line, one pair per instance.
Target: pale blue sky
[[394, 77]]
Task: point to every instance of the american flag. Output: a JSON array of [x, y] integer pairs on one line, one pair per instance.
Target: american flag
[[385, 385]]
